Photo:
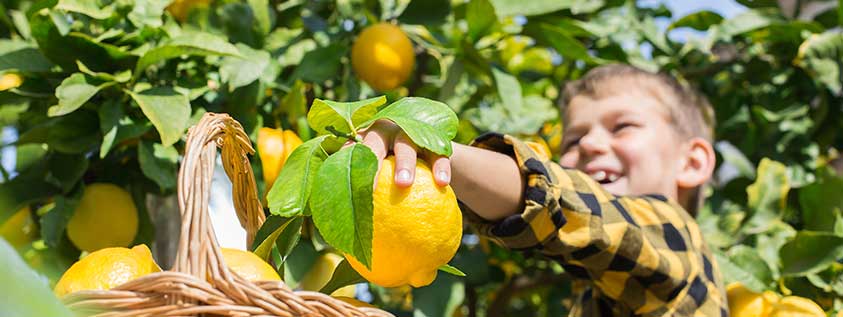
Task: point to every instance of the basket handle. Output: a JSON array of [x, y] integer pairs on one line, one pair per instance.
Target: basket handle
[[198, 248]]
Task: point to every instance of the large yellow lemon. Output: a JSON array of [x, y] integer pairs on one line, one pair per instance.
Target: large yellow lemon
[[248, 265], [274, 147], [106, 216], [746, 303], [107, 268], [320, 273], [795, 306], [415, 230], [382, 56]]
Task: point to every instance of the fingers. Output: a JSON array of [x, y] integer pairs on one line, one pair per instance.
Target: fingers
[[405, 160], [441, 168]]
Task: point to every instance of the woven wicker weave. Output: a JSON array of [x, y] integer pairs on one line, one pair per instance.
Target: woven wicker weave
[[185, 290]]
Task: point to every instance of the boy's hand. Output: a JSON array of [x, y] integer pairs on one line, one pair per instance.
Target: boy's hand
[[384, 137]]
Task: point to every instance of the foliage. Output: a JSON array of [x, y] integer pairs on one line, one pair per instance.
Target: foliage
[[109, 88]]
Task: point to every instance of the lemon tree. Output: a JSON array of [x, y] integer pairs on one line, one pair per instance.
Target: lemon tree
[[103, 92]]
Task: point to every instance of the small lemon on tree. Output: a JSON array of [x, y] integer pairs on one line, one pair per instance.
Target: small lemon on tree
[[382, 56], [389, 236], [91, 229], [274, 146]]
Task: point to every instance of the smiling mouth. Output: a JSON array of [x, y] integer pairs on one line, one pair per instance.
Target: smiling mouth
[[604, 177]]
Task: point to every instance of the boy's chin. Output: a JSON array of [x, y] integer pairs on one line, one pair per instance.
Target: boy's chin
[[618, 188]]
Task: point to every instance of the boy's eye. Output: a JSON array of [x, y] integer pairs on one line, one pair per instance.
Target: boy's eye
[[566, 145], [621, 126]]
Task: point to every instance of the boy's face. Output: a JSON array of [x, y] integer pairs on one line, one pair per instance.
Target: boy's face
[[624, 141]]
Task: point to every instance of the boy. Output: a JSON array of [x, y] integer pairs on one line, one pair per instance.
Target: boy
[[638, 146]]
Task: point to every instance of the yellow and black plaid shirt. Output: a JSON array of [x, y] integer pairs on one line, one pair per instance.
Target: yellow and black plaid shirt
[[641, 255]]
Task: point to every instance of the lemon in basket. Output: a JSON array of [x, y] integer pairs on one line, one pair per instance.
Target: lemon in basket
[[415, 230], [107, 268], [248, 265]]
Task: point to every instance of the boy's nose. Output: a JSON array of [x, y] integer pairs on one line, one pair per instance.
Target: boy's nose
[[594, 143]]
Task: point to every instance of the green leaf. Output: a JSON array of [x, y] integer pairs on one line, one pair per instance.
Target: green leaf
[[90, 8], [428, 12], [821, 55], [767, 196], [748, 259], [700, 20], [55, 221], [159, 163], [299, 263], [326, 116], [343, 275], [502, 118], [441, 298], [758, 3], [527, 8], [451, 270], [341, 202], [73, 92], [269, 233], [22, 56], [810, 252], [821, 202], [769, 244], [77, 132], [28, 186], [116, 127], [429, 124], [29, 293], [565, 44], [750, 20], [241, 24], [509, 89], [120, 77], [735, 158], [289, 239], [239, 71], [294, 102], [289, 195], [261, 11], [196, 44], [655, 34], [166, 109], [320, 64], [65, 170], [480, 15], [734, 273], [66, 49], [148, 13]]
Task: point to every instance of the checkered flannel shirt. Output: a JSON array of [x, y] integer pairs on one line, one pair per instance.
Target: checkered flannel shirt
[[639, 255]]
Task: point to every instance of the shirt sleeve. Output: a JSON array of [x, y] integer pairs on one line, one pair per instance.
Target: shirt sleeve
[[645, 251]]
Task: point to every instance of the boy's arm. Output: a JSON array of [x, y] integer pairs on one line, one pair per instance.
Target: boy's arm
[[488, 182], [645, 251]]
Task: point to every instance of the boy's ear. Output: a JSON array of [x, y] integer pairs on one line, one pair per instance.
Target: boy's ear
[[698, 164]]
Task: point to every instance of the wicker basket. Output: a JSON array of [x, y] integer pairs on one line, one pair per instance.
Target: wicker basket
[[199, 282]]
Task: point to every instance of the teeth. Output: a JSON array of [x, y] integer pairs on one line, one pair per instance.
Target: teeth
[[598, 176], [613, 177]]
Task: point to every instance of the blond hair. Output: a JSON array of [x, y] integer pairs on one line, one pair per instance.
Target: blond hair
[[690, 113]]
